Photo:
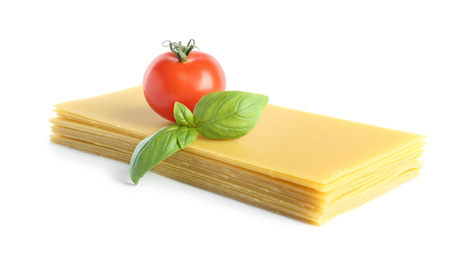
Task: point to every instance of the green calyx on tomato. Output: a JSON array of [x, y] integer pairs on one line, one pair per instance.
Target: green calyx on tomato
[[181, 75], [180, 51]]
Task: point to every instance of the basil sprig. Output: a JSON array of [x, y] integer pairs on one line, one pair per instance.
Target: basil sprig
[[219, 115]]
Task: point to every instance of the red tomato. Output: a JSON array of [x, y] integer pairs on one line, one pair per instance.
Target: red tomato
[[168, 80]]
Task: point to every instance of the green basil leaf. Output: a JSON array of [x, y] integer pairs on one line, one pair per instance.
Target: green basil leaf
[[228, 114], [152, 150], [183, 115], [186, 135]]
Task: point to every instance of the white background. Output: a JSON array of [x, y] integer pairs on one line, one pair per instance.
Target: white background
[[397, 64]]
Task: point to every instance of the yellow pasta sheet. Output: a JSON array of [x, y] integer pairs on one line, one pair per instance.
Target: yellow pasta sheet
[[303, 165]]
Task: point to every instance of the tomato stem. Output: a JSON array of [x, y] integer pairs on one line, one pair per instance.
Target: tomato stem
[[180, 51]]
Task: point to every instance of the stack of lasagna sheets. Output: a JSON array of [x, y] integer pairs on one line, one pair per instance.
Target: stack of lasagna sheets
[[298, 164]]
